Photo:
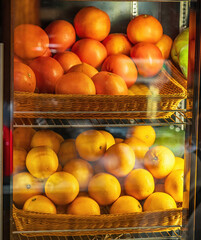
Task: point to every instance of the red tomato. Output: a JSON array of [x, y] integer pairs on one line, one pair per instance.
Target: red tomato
[[123, 66], [30, 41], [90, 51], [61, 34], [148, 59], [24, 78], [47, 71], [144, 28]]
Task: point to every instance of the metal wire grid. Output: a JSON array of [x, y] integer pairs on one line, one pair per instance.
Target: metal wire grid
[[177, 119], [176, 235]]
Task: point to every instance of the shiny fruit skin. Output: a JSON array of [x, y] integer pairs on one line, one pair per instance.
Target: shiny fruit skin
[[90, 51], [104, 188], [75, 83], [148, 59], [24, 187], [84, 68], [47, 71], [62, 188], [61, 35], [91, 22], [165, 45], [67, 60], [109, 84], [24, 78], [123, 66], [39, 204], [119, 159], [144, 28], [91, 145], [83, 206], [19, 159], [117, 43], [30, 41], [108, 137]]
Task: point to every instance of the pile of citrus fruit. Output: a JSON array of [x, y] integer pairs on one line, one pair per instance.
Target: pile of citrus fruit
[[94, 172], [85, 57]]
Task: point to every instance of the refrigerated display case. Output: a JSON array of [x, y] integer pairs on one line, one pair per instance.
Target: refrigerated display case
[[52, 133]]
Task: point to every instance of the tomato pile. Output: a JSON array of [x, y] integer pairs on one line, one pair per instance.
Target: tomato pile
[[85, 58]]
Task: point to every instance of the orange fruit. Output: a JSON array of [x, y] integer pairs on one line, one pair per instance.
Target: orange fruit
[[117, 43], [123, 66], [62, 188], [92, 22], [47, 138], [84, 68], [83, 206], [139, 184], [144, 133], [139, 147], [159, 161], [119, 140], [90, 51], [19, 159], [165, 45], [67, 151], [24, 78], [109, 138], [109, 84], [24, 187], [40, 204], [41, 162], [104, 188], [119, 159], [179, 164], [67, 60], [91, 145], [174, 184], [125, 204], [75, 83], [30, 41], [61, 35], [159, 201], [81, 170], [22, 137], [144, 28]]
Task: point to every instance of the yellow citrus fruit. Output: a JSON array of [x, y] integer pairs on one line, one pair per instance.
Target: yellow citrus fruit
[[179, 164], [119, 159], [174, 185], [140, 89], [24, 187], [19, 159], [91, 145], [159, 161], [83, 206], [139, 147], [130, 92], [81, 170], [109, 138], [22, 137], [139, 184], [62, 188], [67, 151], [144, 133], [118, 140], [104, 188], [159, 201], [125, 204], [47, 138], [40, 204], [41, 162]]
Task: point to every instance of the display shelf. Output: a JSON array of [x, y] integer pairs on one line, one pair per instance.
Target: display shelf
[[176, 119], [176, 235]]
